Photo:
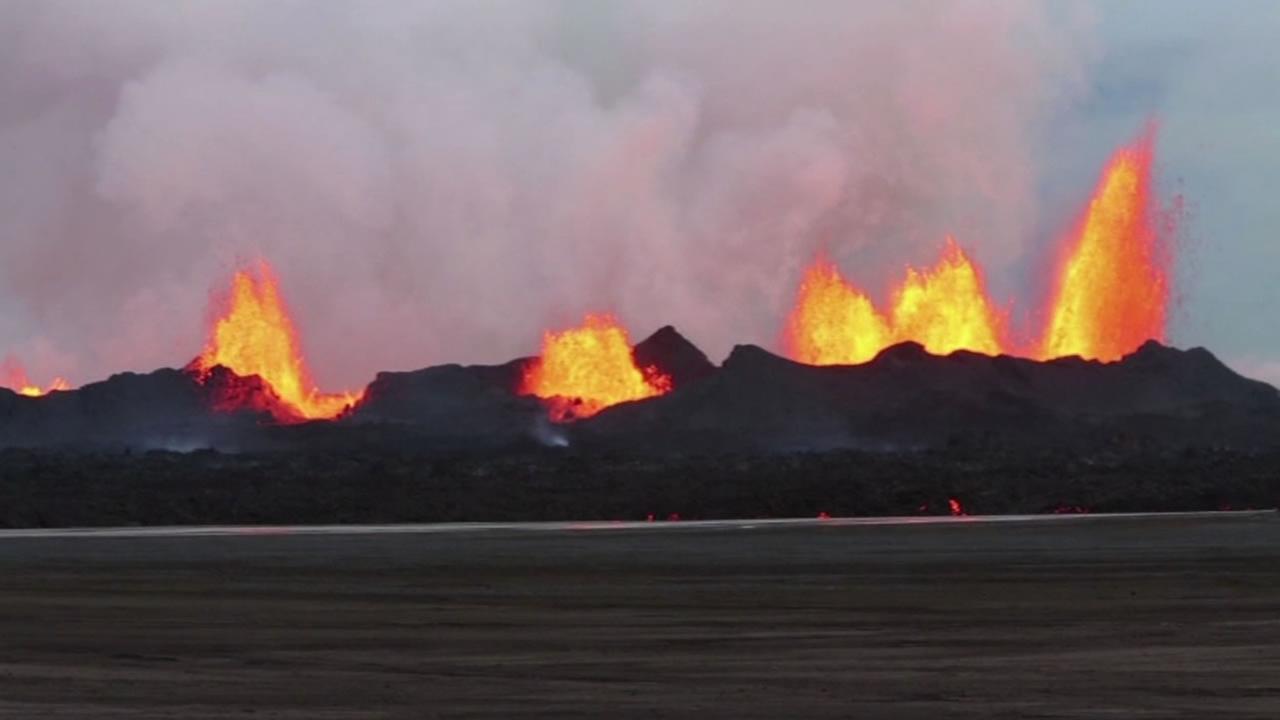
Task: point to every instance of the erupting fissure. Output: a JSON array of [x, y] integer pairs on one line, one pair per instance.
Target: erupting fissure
[[584, 370], [1112, 286], [944, 308], [256, 336], [14, 377], [1111, 290]]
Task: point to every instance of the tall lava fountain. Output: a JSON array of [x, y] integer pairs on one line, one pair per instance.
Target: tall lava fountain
[[255, 335], [1111, 290]]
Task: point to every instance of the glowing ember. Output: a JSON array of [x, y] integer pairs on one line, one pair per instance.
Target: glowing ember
[[256, 336], [583, 370], [944, 308], [14, 377], [1112, 285]]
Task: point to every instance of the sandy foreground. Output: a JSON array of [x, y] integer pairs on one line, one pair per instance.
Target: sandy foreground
[[1125, 618]]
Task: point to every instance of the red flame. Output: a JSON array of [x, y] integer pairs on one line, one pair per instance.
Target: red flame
[[1111, 291], [584, 370], [14, 377], [256, 336]]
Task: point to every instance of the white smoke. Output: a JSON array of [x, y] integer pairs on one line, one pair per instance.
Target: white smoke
[[441, 181]]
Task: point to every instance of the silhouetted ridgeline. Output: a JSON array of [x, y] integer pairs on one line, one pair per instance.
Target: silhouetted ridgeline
[[1157, 399]]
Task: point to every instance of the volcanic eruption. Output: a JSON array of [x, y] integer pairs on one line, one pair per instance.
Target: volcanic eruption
[[1113, 279], [585, 369], [255, 336], [944, 308], [1110, 290], [14, 376]]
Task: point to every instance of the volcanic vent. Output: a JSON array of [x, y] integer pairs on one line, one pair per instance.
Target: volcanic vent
[[1110, 290], [254, 337]]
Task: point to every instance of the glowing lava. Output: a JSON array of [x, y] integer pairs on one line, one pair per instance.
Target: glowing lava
[[585, 369], [256, 336], [1112, 281], [1110, 292], [14, 377], [833, 322], [944, 308]]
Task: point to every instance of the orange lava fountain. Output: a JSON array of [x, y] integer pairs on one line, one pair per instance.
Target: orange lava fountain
[[944, 308], [1112, 286], [833, 322], [14, 377], [585, 369], [256, 336], [1110, 295]]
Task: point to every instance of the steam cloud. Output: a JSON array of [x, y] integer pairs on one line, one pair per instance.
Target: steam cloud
[[442, 181]]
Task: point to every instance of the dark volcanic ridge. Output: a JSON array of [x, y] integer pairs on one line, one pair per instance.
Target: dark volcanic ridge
[[1157, 398]]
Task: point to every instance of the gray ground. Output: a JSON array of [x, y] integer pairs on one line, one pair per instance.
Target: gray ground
[[1166, 618]]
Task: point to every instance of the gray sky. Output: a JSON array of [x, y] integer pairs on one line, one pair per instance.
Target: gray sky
[[441, 181]]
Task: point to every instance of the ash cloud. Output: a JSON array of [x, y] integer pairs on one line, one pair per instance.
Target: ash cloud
[[442, 181]]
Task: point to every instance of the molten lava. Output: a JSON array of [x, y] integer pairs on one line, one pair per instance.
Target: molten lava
[[1112, 281], [256, 336], [585, 369], [944, 308], [833, 322], [14, 377], [1110, 295]]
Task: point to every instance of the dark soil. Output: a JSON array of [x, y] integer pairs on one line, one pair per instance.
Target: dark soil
[[60, 489]]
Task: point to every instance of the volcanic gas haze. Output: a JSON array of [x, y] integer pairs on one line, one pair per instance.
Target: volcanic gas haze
[[255, 335], [1111, 289]]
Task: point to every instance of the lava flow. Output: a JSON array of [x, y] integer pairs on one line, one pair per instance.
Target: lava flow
[[585, 369], [1110, 293], [1112, 283], [256, 336], [944, 308], [14, 377]]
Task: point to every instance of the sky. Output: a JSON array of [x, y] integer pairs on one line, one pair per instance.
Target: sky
[[443, 181]]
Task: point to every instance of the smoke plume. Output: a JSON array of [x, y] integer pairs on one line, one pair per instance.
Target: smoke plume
[[441, 181]]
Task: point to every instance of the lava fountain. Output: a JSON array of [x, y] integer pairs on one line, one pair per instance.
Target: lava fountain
[[1110, 290], [944, 308], [14, 377], [833, 322], [1112, 287], [256, 336], [584, 370]]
